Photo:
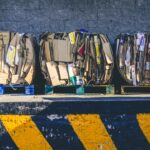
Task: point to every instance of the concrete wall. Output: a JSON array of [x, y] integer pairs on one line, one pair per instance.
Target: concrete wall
[[108, 16]]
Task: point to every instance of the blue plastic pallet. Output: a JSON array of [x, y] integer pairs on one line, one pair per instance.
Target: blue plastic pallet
[[80, 89], [64, 89], [17, 89]]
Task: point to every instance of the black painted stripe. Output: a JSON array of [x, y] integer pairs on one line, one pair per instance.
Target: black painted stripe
[[98, 107], [93, 106], [5, 140], [58, 132], [125, 132]]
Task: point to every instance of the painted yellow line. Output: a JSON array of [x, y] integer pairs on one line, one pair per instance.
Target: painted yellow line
[[91, 132], [24, 132], [144, 123]]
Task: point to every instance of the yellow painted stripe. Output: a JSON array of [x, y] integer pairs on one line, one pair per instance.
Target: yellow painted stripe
[[91, 131], [24, 132], [144, 123]]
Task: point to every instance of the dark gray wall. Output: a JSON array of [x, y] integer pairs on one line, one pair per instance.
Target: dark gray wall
[[108, 16]]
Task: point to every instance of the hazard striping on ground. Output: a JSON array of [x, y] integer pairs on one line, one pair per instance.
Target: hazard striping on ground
[[24, 132], [75, 131], [91, 131], [144, 123]]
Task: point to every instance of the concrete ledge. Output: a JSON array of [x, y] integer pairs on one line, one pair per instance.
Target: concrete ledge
[[65, 97], [72, 122]]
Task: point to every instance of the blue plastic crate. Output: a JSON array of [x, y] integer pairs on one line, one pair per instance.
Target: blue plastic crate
[[80, 90], [1, 90], [49, 89], [29, 90]]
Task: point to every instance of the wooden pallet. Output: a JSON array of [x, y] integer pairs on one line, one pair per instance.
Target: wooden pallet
[[17, 89], [126, 89], [80, 90]]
